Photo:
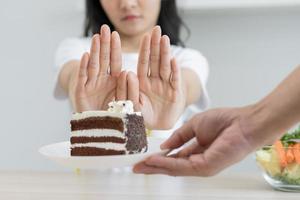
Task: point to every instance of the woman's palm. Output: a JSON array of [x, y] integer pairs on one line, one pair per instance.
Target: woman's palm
[[161, 93], [97, 78]]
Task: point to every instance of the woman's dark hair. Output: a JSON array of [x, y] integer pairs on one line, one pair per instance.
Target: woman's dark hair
[[169, 20]]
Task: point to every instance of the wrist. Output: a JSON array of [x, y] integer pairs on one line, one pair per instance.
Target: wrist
[[185, 91], [259, 125], [72, 78], [191, 86], [71, 88]]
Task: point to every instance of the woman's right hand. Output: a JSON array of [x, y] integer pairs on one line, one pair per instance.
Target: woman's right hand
[[95, 82]]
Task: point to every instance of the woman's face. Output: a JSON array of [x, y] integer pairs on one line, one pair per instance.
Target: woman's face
[[132, 17]]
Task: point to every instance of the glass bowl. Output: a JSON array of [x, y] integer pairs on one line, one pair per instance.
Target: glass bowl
[[280, 166]]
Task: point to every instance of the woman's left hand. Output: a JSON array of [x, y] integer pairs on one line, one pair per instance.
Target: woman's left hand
[[162, 96]]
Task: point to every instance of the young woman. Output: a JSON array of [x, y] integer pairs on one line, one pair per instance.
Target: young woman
[[162, 88]]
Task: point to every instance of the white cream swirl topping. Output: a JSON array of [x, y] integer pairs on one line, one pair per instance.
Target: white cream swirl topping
[[121, 107]]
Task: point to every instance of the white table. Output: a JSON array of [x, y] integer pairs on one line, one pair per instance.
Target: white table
[[125, 185]]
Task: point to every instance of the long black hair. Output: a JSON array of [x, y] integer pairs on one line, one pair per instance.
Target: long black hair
[[168, 19]]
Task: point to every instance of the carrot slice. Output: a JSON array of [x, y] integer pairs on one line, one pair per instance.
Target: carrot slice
[[296, 151], [290, 155], [281, 153]]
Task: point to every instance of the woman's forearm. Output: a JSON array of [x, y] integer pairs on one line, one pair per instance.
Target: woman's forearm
[[192, 86], [67, 73]]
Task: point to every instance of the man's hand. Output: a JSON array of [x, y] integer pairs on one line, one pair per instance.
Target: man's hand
[[219, 139]]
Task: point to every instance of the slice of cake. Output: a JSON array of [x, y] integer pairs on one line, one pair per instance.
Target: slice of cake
[[117, 131]]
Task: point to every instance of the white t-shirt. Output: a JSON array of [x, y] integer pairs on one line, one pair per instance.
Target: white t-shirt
[[73, 49]]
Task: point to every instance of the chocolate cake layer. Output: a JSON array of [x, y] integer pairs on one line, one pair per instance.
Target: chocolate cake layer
[[97, 139], [136, 134], [92, 151], [98, 123]]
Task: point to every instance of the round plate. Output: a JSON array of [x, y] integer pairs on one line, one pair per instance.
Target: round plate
[[60, 153]]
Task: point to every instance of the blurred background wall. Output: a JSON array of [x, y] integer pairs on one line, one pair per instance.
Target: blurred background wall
[[250, 50]]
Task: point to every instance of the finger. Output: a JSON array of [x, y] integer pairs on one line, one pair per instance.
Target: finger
[[190, 149], [142, 168], [179, 137], [144, 54], [133, 90], [116, 54], [223, 152], [173, 166], [195, 165], [82, 75], [155, 52], [165, 58], [175, 76], [122, 86], [93, 68], [104, 49]]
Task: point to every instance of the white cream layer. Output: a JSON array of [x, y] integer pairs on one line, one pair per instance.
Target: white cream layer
[[98, 133], [87, 114], [106, 145]]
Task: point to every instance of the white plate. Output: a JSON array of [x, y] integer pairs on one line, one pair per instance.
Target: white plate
[[60, 153]]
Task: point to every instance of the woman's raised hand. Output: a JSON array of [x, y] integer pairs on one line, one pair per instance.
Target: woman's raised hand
[[96, 81], [157, 89], [161, 97]]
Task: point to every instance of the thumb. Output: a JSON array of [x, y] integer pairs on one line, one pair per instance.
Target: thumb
[[224, 151], [121, 91], [180, 136], [133, 92]]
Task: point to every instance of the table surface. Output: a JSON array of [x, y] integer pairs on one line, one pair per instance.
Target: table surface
[[123, 185]]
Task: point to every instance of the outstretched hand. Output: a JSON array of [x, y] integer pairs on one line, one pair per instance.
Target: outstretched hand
[[218, 138]]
